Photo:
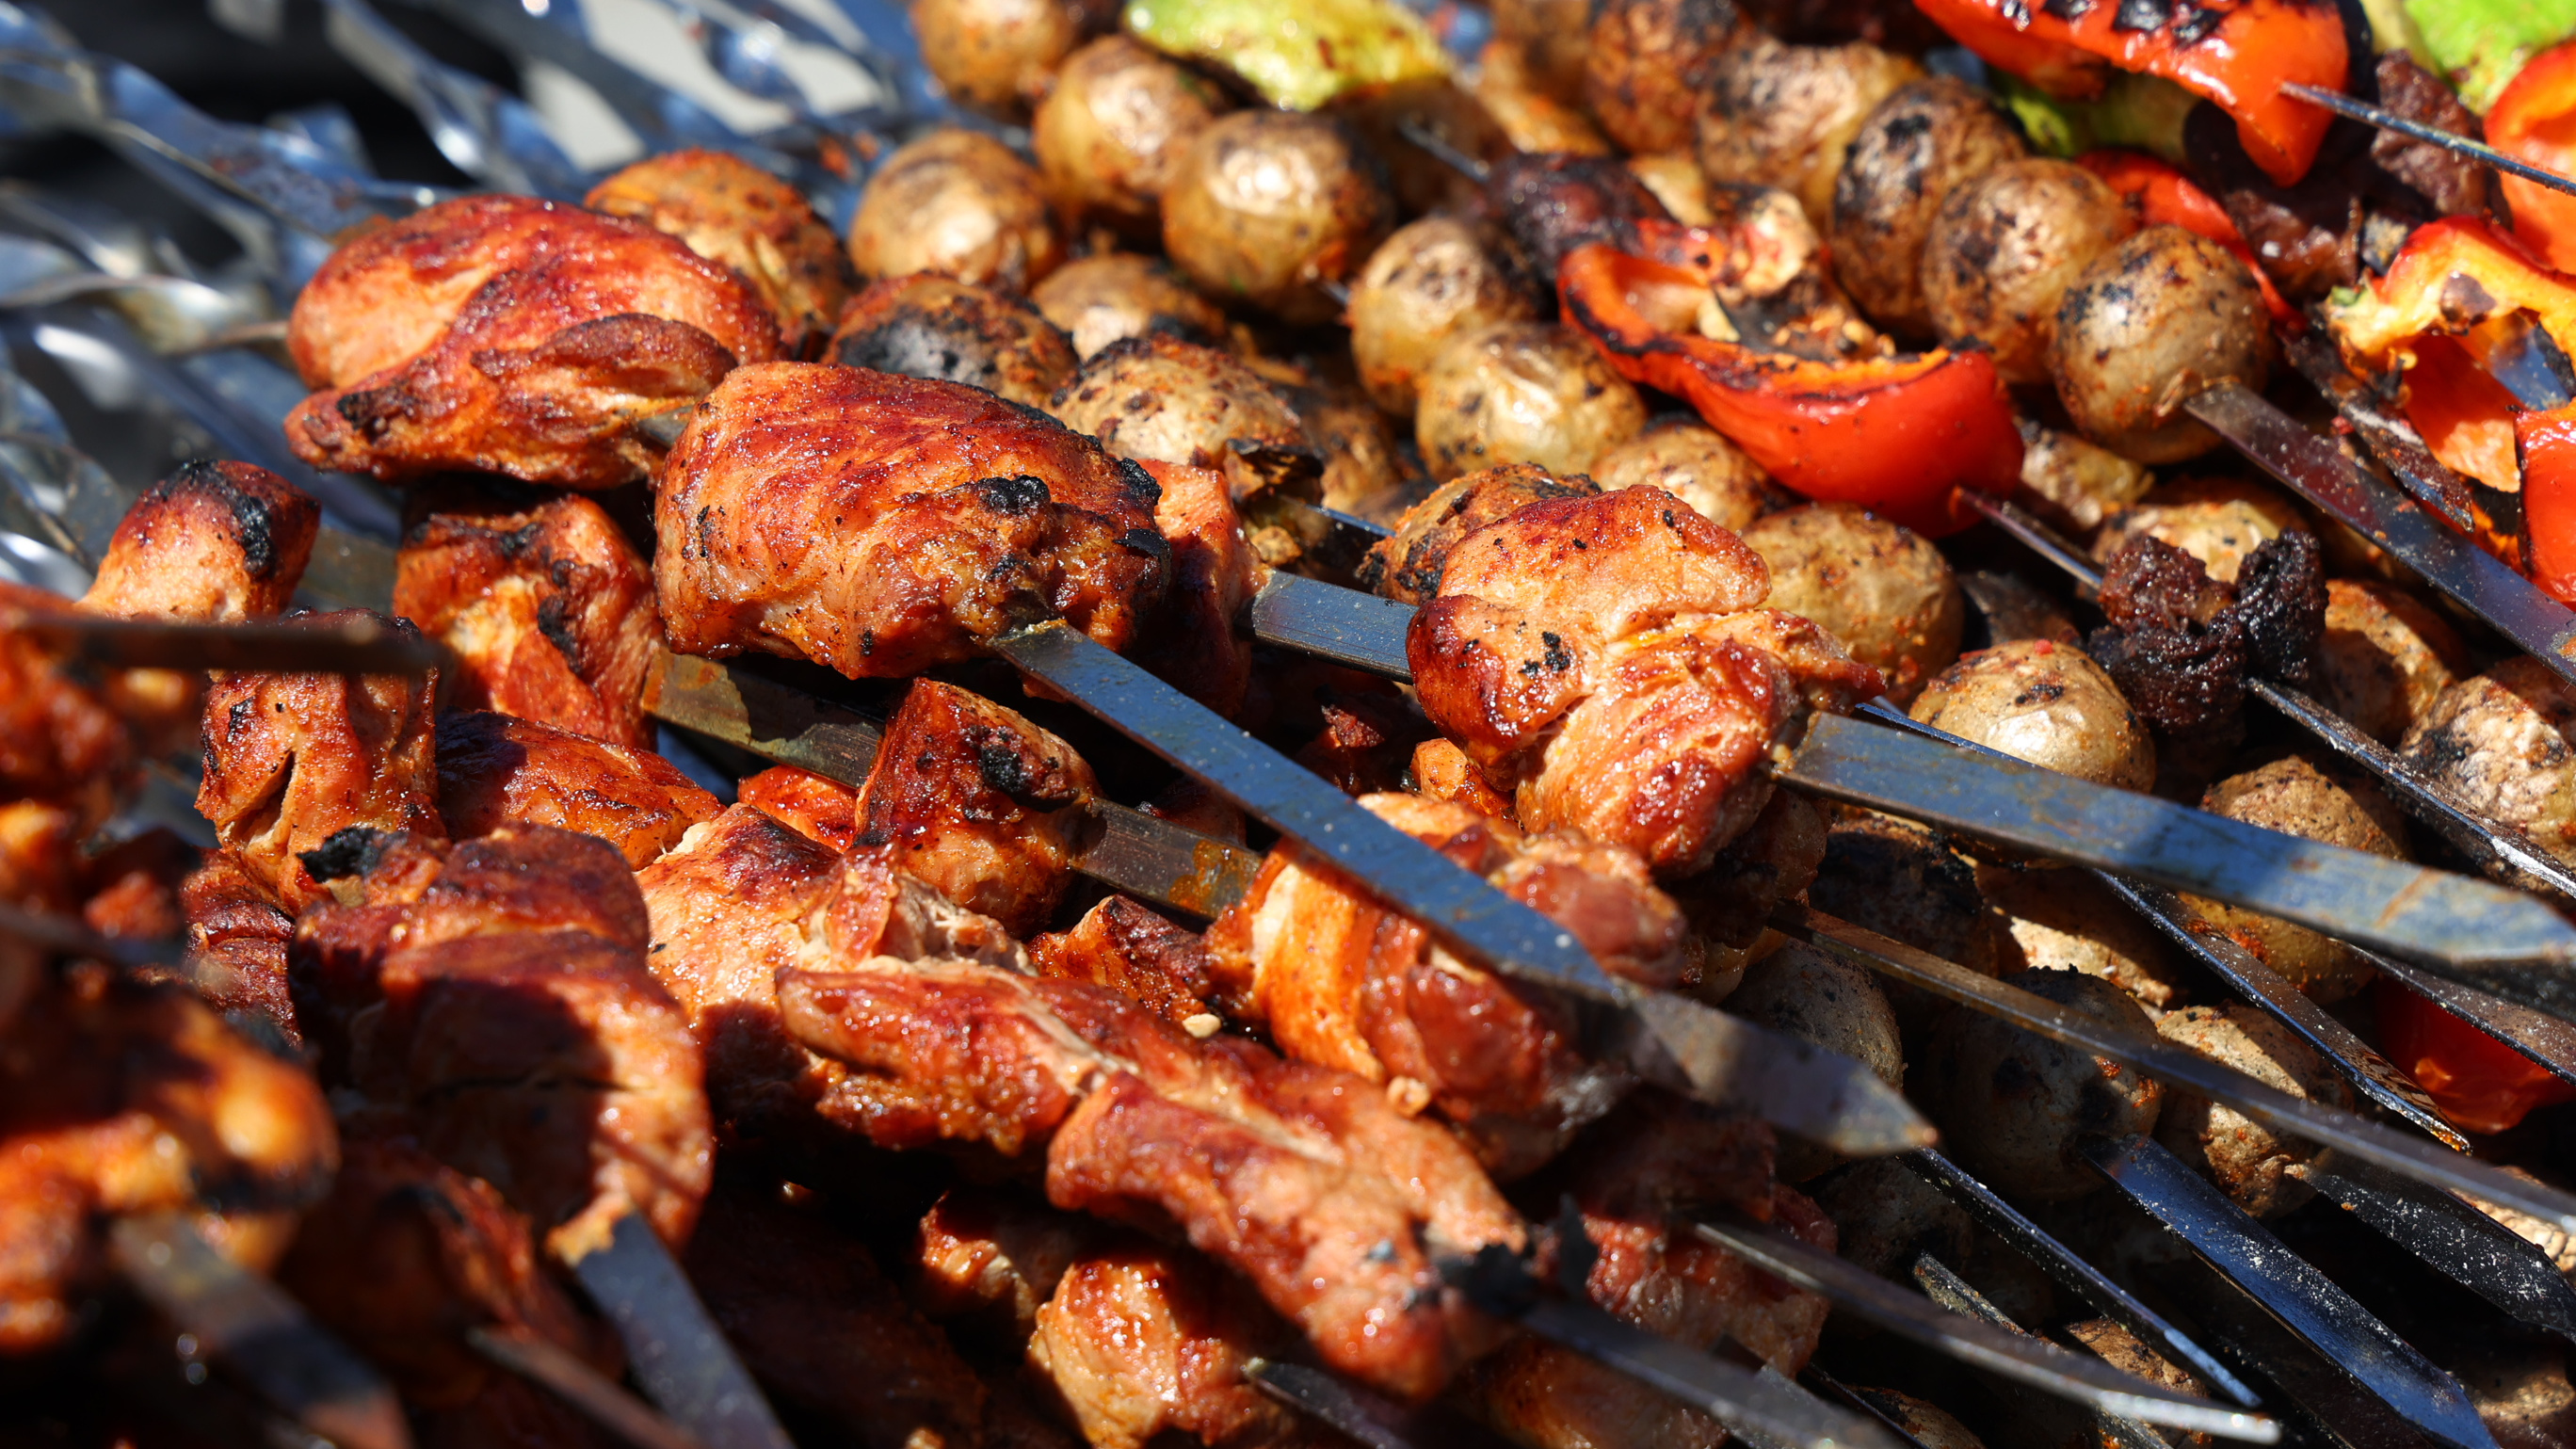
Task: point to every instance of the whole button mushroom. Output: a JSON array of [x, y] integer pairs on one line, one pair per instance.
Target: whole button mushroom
[[957, 202], [1877, 586], [1430, 281], [1926, 138], [1522, 392], [1264, 205], [2045, 702], [2005, 247], [2018, 1109], [2152, 323], [1110, 134], [2249, 1162], [2298, 796]]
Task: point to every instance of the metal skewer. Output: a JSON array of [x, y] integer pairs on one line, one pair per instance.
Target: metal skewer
[[1954, 1293], [2387, 120]]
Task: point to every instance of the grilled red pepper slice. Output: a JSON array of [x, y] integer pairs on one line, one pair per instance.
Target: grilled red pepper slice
[[2477, 1081], [2534, 120], [2452, 275], [2236, 53], [2548, 444], [2166, 197], [1895, 434]]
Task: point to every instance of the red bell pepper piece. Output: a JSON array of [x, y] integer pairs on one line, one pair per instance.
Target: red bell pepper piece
[[2548, 442], [2166, 197], [2477, 1081], [2452, 275], [2463, 415], [1896, 434], [2236, 53], [2534, 120]]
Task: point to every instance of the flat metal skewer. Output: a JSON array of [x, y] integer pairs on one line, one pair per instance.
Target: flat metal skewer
[[2453, 1238], [1948, 1289], [356, 647], [675, 1349], [600, 1398], [2387, 120], [2305, 1301]]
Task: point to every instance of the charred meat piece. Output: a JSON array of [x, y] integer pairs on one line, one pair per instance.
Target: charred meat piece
[[511, 335], [2181, 645], [1406, 565], [237, 940], [824, 1330], [817, 807], [117, 1097], [491, 1000], [744, 897], [404, 1256], [1550, 204], [293, 759], [548, 608], [1341, 980], [1607, 659], [732, 212], [62, 741], [1194, 646], [976, 802], [1303, 1179], [1138, 954], [494, 769], [879, 525], [214, 542], [926, 325]]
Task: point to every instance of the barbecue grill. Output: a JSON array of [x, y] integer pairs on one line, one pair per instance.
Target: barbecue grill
[[2422, 1296]]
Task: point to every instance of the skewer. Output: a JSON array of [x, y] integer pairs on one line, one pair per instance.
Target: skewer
[[357, 647], [2455, 1239], [2204, 1077], [2387, 120], [1863, 1401], [2304, 1300], [539, 1360], [1356, 1413], [1954, 1293], [673, 1346], [2026, 1360]]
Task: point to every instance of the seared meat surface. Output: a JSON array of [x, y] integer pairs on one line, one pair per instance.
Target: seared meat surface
[[879, 525], [495, 770], [214, 542], [62, 742], [237, 940], [293, 759], [732, 212], [1340, 980], [817, 807], [491, 1000], [510, 335], [1195, 645], [1140, 955], [117, 1097], [548, 608], [1303, 1179]]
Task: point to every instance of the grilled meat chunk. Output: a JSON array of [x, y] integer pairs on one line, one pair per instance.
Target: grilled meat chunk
[[214, 542], [547, 607], [293, 759], [237, 940], [879, 525], [732, 212], [987, 1260], [817, 807], [1341, 980], [1550, 204], [403, 1257], [62, 742], [824, 1330], [491, 999], [1194, 646], [1304, 1179], [976, 802], [1138, 954], [511, 335], [494, 769], [117, 1097], [1406, 565], [2182, 645], [1606, 658]]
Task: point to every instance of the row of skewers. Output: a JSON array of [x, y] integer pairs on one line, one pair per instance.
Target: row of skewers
[[883, 994]]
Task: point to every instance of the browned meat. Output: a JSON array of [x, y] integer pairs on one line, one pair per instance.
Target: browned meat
[[510, 335], [1440, 770], [817, 807], [1367, 740], [133, 886], [1633, 1182], [494, 770], [406, 1255], [1406, 566], [117, 1097], [1142, 1339], [1138, 954], [1304, 1180], [40, 844], [1549, 204], [220, 542], [1195, 646], [879, 525], [826, 1334], [1341, 980], [293, 759], [978, 803], [2181, 645], [237, 940], [744, 898], [60, 740], [491, 999], [1774, 860], [2451, 182], [548, 608], [928, 325], [732, 212], [989, 1260], [1606, 658]]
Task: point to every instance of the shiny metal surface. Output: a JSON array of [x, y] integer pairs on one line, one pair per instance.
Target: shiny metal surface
[[359, 646], [673, 1348], [570, 1378]]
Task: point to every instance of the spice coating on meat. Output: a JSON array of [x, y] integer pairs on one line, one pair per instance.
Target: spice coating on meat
[[1342, 980], [494, 770], [293, 759], [1301, 1178], [511, 335], [548, 609], [492, 999], [732, 212], [237, 939], [117, 1097], [879, 525], [1406, 565], [1194, 645]]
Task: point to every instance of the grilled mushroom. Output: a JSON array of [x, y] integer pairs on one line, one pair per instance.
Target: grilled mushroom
[[958, 202], [1879, 587], [1264, 205], [2153, 321], [1521, 392]]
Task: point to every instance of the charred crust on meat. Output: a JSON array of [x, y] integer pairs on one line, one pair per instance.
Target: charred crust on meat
[[1140, 487], [2281, 596], [553, 622], [346, 853], [1021, 493]]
